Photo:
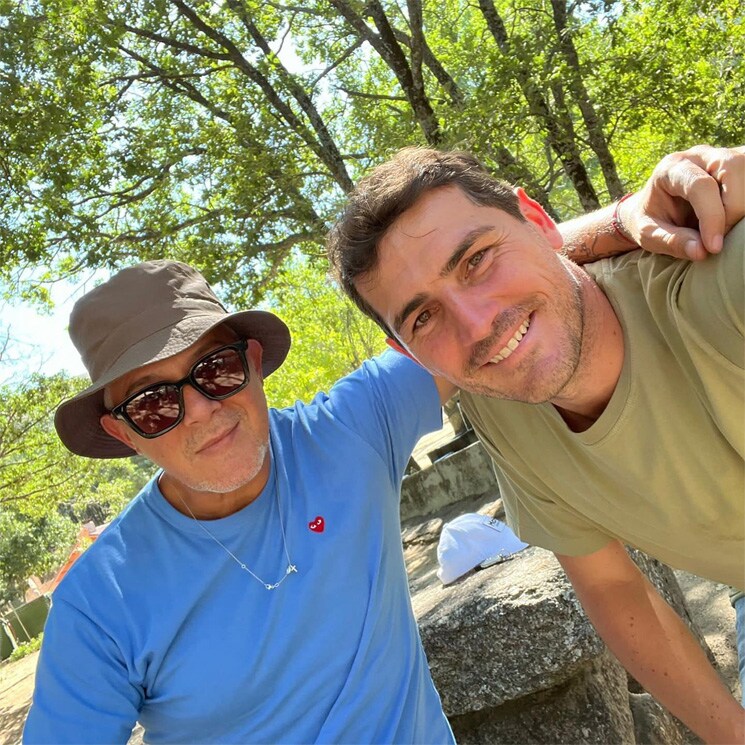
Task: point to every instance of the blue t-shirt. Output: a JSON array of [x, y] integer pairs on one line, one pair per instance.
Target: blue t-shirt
[[156, 623]]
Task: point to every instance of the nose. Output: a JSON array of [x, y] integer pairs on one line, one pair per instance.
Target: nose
[[473, 314], [197, 407]]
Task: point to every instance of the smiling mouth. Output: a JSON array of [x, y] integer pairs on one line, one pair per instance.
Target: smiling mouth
[[513, 343], [216, 440]]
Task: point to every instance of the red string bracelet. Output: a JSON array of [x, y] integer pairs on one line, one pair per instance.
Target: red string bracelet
[[616, 219]]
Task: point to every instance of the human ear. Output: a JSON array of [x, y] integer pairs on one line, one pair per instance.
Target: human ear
[[255, 353], [534, 213], [118, 430]]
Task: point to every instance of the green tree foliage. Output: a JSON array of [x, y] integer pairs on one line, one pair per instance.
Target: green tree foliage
[[672, 75], [226, 134], [46, 491], [30, 546], [37, 472], [330, 337]]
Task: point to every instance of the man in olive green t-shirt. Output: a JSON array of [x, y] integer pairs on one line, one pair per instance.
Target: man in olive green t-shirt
[[611, 396], [660, 466]]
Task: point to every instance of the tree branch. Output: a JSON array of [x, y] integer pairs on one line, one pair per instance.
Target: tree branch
[[173, 43]]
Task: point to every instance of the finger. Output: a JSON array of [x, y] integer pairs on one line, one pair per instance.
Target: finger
[[732, 180], [693, 183], [727, 167], [667, 238]]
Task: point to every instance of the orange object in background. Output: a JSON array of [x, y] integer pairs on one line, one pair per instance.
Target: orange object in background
[[87, 534]]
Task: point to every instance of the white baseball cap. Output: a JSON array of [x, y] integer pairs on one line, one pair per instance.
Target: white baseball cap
[[470, 539]]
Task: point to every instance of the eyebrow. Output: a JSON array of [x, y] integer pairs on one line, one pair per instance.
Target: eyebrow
[[407, 310], [468, 240], [463, 246]]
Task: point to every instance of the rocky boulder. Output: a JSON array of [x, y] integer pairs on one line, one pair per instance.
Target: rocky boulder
[[515, 658]]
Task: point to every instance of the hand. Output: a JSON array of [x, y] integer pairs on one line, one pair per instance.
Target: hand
[[690, 202]]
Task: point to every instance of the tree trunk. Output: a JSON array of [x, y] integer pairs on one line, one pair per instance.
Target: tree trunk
[[321, 144], [560, 141], [510, 169], [436, 68], [328, 152], [581, 97], [385, 44]]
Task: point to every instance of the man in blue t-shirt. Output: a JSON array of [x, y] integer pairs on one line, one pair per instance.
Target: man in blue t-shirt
[[255, 590]]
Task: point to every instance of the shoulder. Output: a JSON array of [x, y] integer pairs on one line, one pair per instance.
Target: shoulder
[[119, 550], [720, 275], [383, 381], [699, 305], [718, 282]]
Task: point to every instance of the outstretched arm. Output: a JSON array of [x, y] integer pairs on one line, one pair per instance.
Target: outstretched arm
[[653, 644], [84, 692], [689, 203]]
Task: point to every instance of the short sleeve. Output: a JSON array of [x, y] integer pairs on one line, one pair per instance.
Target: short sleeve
[[83, 693], [711, 298], [549, 524], [532, 511]]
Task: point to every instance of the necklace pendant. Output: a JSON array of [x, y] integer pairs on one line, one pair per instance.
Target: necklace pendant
[[291, 568]]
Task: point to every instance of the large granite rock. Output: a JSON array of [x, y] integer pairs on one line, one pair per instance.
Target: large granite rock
[[654, 725], [590, 707], [515, 658], [504, 632], [663, 578]]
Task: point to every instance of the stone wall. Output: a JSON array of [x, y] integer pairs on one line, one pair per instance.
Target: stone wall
[[461, 476]]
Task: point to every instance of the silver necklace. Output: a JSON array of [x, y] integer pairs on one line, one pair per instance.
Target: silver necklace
[[291, 568]]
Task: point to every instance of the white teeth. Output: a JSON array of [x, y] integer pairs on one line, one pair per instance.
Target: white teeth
[[511, 346]]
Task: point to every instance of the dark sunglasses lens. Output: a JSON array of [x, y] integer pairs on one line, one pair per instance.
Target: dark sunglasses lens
[[220, 374], [155, 409]]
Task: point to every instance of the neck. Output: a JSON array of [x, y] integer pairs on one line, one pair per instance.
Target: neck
[[212, 505], [586, 395]]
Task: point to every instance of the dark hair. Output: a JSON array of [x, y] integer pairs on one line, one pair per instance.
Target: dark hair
[[387, 192]]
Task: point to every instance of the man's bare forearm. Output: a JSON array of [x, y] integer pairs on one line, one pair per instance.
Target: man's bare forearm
[[653, 644], [593, 236], [688, 204], [657, 648]]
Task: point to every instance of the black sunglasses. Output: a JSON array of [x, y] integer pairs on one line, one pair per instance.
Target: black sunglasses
[[158, 408]]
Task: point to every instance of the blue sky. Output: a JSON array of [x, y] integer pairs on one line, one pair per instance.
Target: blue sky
[[39, 342]]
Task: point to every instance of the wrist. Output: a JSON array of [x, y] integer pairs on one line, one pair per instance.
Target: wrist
[[619, 225]]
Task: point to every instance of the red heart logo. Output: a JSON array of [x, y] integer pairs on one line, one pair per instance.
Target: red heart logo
[[317, 525]]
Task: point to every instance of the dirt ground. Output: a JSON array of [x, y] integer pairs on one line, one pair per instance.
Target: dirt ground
[[707, 601], [16, 687]]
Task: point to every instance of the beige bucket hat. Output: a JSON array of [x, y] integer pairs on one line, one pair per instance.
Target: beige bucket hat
[[143, 314]]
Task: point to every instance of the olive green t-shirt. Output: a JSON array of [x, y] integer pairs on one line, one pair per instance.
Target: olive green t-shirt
[[662, 468]]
